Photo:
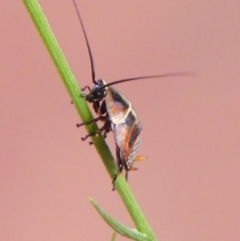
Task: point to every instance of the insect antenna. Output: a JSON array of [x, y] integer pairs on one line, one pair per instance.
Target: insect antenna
[[86, 39], [173, 74]]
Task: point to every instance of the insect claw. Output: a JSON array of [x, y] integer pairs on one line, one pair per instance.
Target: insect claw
[[113, 182], [115, 178], [85, 138], [90, 143], [80, 124]]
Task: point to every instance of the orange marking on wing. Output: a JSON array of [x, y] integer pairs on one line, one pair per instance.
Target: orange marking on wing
[[140, 158]]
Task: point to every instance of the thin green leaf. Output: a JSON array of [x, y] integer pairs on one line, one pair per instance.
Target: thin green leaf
[[118, 227]]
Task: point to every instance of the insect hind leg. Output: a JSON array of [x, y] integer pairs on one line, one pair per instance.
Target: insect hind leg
[[131, 168], [120, 165], [123, 165]]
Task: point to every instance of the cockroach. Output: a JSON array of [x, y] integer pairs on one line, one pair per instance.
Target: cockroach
[[117, 113]]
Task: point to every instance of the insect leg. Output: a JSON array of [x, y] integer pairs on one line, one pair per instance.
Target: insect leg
[[120, 166], [104, 129], [127, 169], [86, 87], [84, 95], [101, 117], [131, 168], [100, 108]]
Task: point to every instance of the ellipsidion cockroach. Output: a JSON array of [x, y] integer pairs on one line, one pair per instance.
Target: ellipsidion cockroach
[[117, 113]]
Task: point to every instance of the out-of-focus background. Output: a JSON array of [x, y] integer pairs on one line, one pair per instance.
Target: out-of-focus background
[[189, 186]]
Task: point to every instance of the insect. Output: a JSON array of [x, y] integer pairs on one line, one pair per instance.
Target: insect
[[117, 114]]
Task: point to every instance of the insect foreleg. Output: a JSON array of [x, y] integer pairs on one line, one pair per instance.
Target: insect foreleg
[[86, 87]]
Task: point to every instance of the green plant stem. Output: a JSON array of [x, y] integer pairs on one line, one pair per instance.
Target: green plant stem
[[70, 83]]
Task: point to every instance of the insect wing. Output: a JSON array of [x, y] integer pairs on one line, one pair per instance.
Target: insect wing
[[125, 126]]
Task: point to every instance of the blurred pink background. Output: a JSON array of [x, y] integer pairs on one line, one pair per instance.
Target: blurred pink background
[[188, 187]]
